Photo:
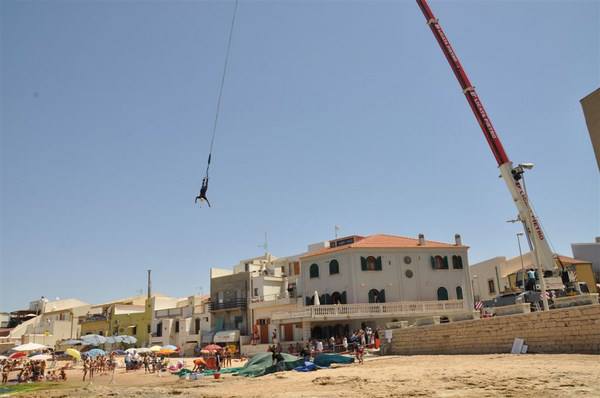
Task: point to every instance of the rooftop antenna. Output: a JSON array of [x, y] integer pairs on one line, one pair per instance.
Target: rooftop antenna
[[265, 246], [336, 230]]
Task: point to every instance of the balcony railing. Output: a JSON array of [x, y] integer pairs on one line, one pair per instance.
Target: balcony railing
[[371, 310], [229, 304]]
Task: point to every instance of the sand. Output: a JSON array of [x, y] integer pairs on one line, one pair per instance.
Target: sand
[[408, 376]]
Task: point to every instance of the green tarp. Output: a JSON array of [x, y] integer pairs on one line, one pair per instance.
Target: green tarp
[[325, 360], [262, 364]]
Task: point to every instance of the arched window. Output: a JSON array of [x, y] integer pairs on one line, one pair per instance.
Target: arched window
[[442, 293], [334, 267], [314, 271], [336, 298], [459, 294], [457, 262], [377, 296], [373, 295]]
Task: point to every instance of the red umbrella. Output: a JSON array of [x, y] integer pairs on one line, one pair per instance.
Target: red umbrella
[[213, 347], [17, 355]]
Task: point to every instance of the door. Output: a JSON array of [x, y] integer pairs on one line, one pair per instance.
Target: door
[[288, 332]]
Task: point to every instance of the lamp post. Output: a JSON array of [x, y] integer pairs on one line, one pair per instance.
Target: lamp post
[[519, 234]]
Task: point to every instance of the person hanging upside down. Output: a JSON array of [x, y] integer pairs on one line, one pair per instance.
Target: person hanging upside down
[[202, 195]]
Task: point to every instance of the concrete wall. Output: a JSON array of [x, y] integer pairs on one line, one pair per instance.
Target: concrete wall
[[570, 330], [483, 272], [589, 252]]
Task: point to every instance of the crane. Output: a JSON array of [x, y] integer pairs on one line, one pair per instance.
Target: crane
[[512, 176]]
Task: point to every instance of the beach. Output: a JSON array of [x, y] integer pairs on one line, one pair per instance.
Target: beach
[[395, 376]]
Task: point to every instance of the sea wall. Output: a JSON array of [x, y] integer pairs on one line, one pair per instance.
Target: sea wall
[[569, 330]]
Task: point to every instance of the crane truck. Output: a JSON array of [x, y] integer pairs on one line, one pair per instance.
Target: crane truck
[[512, 175]]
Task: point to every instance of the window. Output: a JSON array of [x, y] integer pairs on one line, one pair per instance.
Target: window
[[457, 262], [134, 331], [314, 271], [442, 294], [459, 294], [491, 286], [408, 273], [377, 296], [334, 267], [159, 329], [149, 329], [407, 260], [256, 292], [220, 297], [439, 262], [176, 326], [370, 263], [336, 298], [197, 325]]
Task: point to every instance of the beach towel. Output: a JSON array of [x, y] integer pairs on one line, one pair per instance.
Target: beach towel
[[306, 367], [325, 360]]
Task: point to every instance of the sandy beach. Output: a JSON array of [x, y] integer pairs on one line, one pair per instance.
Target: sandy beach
[[410, 376]]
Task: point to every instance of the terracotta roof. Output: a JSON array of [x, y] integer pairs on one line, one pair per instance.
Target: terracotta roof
[[570, 260], [383, 241]]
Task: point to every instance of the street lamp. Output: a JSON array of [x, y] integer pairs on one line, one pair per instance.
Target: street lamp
[[519, 234]]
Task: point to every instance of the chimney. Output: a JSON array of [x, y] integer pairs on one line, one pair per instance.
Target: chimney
[[421, 240], [457, 239], [149, 285]]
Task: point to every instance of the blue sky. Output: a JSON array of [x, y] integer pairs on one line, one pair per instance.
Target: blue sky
[[333, 113]]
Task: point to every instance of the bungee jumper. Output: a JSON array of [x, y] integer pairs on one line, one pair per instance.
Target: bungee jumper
[[202, 195]]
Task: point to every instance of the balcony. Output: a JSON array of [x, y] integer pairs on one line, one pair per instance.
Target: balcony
[[373, 310], [241, 303]]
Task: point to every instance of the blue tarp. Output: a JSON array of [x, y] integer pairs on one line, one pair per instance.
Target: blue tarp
[[307, 367]]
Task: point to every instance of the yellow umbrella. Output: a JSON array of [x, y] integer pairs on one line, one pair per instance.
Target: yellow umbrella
[[73, 353], [166, 351], [155, 348]]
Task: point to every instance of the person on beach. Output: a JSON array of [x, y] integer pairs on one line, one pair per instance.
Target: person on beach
[[345, 343], [85, 368]]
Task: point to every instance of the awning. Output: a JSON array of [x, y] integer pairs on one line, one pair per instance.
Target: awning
[[207, 337], [227, 336]]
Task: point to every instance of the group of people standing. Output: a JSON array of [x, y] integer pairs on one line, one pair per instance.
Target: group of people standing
[[99, 365], [30, 371]]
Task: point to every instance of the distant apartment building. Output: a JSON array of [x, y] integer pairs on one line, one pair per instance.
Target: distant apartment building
[[589, 252], [182, 324]]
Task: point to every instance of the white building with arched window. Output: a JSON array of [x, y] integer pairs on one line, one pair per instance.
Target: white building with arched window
[[370, 281]]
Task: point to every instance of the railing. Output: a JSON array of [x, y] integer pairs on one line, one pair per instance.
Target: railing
[[236, 303], [373, 309]]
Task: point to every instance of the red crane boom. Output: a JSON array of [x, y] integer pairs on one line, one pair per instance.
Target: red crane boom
[[472, 98]]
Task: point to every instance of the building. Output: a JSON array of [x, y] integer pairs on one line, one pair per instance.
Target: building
[[46, 322], [228, 306], [360, 281], [182, 324], [4, 319], [501, 275], [591, 111], [589, 252]]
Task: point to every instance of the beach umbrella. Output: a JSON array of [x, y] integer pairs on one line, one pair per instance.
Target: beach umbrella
[[30, 347], [171, 347], [155, 348], [165, 351], [72, 342], [213, 347], [73, 353], [41, 357], [17, 355], [3, 357], [317, 301], [118, 352], [128, 339], [95, 352], [131, 350], [143, 350], [93, 339]]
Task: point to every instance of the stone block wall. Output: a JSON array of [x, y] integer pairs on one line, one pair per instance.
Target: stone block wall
[[569, 330]]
